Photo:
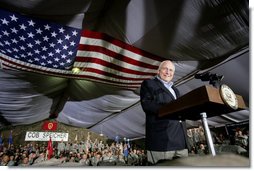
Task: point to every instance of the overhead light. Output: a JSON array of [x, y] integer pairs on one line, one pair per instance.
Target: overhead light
[[75, 70]]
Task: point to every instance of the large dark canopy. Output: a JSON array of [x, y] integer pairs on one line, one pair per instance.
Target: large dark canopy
[[198, 35]]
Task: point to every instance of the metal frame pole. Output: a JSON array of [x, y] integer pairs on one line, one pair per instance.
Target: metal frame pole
[[208, 133]]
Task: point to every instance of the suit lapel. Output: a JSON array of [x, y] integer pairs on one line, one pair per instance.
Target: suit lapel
[[176, 91], [164, 88]]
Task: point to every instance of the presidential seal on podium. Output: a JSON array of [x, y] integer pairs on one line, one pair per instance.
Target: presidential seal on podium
[[228, 96]]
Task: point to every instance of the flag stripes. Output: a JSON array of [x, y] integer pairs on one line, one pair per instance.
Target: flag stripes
[[103, 53], [91, 76], [112, 41]]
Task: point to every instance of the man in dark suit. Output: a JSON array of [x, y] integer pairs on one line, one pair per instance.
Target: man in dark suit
[[165, 138]]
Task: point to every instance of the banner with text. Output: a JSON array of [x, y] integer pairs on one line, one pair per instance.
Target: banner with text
[[44, 136]]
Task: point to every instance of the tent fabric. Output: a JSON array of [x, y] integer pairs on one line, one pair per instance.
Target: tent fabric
[[198, 36]]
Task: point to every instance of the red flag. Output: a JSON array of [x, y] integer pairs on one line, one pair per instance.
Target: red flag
[[49, 126], [50, 148]]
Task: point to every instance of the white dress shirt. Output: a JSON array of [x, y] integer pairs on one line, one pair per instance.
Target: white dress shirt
[[168, 85]]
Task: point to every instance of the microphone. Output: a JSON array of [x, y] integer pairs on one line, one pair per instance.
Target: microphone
[[214, 79]]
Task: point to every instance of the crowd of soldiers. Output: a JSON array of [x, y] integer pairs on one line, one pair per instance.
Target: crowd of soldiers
[[99, 153], [84, 153], [198, 145]]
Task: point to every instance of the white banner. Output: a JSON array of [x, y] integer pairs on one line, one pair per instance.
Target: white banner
[[44, 136]]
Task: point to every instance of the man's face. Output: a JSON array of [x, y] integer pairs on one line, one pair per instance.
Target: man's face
[[167, 70]]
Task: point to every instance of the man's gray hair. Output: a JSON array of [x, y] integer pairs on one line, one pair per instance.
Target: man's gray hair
[[160, 66]]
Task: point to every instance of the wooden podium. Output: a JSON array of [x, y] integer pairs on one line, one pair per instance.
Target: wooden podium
[[200, 103]]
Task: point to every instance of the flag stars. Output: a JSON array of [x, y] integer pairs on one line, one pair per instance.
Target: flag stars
[[37, 42], [15, 49], [22, 38], [72, 43], [29, 54], [56, 59], [14, 41], [38, 31], [30, 34], [43, 57], [37, 51], [65, 47], [52, 45], [7, 43], [53, 34], [16, 56], [46, 27], [60, 41], [74, 33], [42, 44], [31, 23], [36, 59], [13, 18], [22, 27], [44, 48], [58, 50], [4, 21], [45, 38], [67, 37], [61, 30], [30, 45], [14, 30], [22, 48], [50, 54], [63, 56], [5, 33]]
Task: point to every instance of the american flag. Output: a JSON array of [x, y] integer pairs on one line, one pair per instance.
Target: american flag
[[41, 46]]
